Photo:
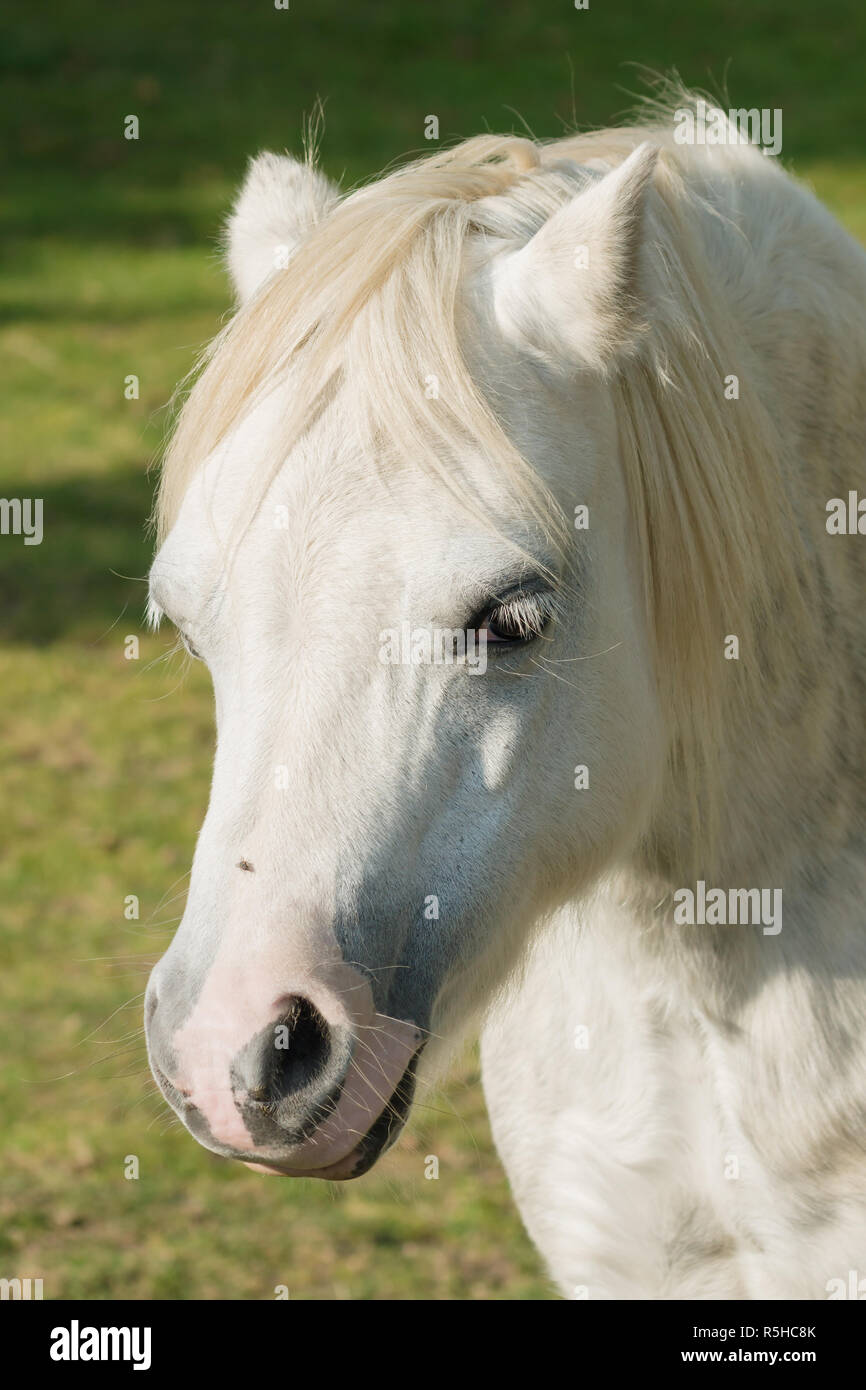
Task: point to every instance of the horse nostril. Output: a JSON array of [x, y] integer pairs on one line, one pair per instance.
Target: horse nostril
[[302, 1044], [287, 1057]]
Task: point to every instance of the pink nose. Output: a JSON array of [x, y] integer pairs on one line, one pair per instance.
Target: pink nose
[[298, 1084]]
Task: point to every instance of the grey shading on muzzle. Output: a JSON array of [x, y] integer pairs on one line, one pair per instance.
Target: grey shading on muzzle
[[380, 919], [287, 1078]]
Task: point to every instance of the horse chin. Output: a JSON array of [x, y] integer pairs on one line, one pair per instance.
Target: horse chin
[[382, 1134]]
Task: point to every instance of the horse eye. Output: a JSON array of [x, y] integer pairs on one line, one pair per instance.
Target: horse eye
[[520, 620]]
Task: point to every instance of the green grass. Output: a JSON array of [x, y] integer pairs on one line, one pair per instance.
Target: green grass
[[111, 269]]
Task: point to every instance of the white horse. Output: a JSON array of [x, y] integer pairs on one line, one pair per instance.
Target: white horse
[[588, 402]]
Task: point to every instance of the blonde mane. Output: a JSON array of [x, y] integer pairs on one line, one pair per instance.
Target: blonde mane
[[371, 297]]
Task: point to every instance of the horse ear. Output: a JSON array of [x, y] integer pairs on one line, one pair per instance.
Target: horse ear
[[280, 202], [571, 293]]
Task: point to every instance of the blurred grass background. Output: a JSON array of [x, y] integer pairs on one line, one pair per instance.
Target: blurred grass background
[[111, 268]]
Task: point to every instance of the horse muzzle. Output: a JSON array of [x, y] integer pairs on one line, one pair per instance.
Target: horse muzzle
[[314, 1084]]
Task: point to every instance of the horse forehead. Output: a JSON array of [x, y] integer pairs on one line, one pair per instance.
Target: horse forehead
[[299, 510], [317, 544], [329, 512]]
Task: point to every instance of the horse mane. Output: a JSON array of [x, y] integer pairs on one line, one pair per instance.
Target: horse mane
[[372, 295]]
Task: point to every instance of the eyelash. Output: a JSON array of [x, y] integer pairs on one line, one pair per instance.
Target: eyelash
[[528, 613]]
